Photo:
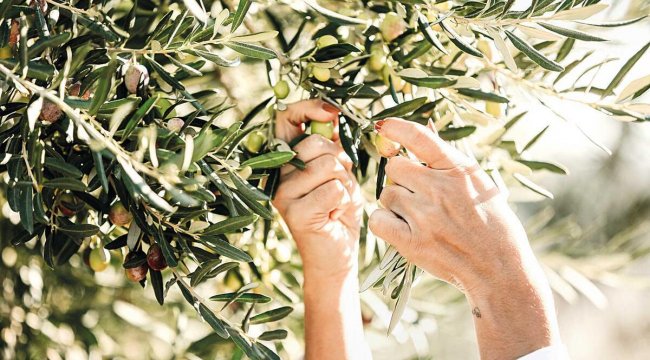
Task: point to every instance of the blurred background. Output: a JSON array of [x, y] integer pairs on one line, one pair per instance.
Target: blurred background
[[592, 240]]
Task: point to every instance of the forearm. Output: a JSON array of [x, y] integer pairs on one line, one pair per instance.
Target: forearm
[[333, 326], [514, 316]]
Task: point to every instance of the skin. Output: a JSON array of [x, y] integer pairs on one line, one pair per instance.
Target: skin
[[322, 207], [442, 212]]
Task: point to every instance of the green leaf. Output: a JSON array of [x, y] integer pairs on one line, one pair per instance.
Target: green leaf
[[139, 114], [625, 70], [210, 270], [240, 14], [534, 139], [48, 42], [62, 167], [459, 42], [230, 225], [216, 324], [456, 133], [247, 189], [251, 50], [224, 248], [78, 231], [401, 109], [571, 33], [533, 53], [333, 16], [215, 58], [271, 315], [269, 160], [26, 206], [99, 167], [103, 88], [242, 298], [540, 165], [615, 23], [532, 186], [65, 183], [273, 335], [429, 34], [482, 95], [166, 248], [334, 51], [166, 77], [431, 82], [157, 284]]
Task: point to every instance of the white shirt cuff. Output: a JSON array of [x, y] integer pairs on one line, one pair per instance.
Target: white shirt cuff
[[553, 352]]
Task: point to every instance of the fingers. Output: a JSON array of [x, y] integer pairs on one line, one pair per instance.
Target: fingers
[[422, 142], [325, 199], [307, 110], [317, 172], [399, 200], [315, 146], [407, 173], [290, 121], [386, 225]]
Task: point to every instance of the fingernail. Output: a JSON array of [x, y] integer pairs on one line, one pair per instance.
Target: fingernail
[[379, 124], [330, 108]]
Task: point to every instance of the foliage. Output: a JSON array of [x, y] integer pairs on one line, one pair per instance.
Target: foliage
[[104, 100]]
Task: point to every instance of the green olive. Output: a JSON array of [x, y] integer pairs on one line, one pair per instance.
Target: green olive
[[255, 141], [386, 147], [325, 129], [281, 89], [326, 40], [119, 215], [392, 26], [321, 74], [98, 261]]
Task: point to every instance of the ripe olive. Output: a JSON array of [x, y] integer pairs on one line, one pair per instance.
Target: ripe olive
[[50, 112], [136, 75], [138, 273], [155, 258], [68, 205]]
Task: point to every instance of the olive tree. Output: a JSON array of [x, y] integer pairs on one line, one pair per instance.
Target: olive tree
[[123, 144]]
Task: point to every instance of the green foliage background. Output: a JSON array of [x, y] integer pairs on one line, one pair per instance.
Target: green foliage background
[[203, 195]]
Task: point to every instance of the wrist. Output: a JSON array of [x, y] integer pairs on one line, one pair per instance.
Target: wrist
[[513, 312]]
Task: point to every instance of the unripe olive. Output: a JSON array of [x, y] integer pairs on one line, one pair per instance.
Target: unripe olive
[[175, 124], [493, 109], [50, 112], [321, 74], [325, 129], [135, 75], [5, 52], [138, 273], [386, 147], [119, 215], [392, 26], [155, 258], [255, 141], [408, 88], [326, 40], [376, 61], [98, 261], [281, 89]]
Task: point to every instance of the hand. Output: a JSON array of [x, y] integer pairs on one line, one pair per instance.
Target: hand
[[322, 203], [448, 217], [322, 207]]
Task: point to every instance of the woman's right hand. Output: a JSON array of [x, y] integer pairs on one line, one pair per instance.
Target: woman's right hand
[[447, 216]]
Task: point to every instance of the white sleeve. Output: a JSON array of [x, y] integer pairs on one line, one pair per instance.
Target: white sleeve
[[553, 352]]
